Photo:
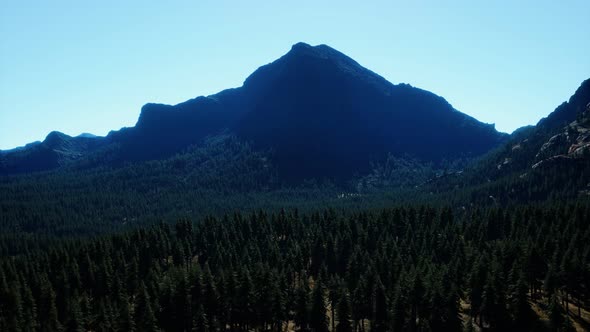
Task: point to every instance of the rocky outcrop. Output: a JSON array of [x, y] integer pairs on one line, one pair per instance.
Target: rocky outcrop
[[573, 143]]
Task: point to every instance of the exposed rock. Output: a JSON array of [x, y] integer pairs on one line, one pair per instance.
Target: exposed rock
[[551, 161], [504, 163], [572, 143], [554, 143]]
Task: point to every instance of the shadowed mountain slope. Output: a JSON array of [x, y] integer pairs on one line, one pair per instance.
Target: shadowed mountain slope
[[320, 112]]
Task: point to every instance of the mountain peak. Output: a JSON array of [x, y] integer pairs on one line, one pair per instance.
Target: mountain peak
[[322, 51], [300, 46], [313, 63], [55, 137], [568, 111]]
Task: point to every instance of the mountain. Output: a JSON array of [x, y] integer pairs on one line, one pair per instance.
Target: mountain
[[87, 135], [537, 163], [58, 149], [326, 115], [320, 113], [29, 145], [561, 138]]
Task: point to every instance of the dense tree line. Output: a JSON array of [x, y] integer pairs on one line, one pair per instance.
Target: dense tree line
[[225, 174], [220, 175], [397, 269]]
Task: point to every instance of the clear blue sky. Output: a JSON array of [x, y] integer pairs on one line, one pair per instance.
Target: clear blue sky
[[89, 66]]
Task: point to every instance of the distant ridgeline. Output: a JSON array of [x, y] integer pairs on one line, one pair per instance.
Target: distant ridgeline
[[321, 113]]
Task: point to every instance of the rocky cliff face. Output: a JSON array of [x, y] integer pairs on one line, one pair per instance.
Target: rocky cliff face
[[562, 139], [573, 143]]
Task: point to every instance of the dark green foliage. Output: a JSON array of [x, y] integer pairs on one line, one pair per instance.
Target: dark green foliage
[[124, 320], [518, 302], [398, 310], [143, 311], [48, 320], [200, 319], [380, 309], [344, 313], [556, 316], [403, 268], [318, 315], [302, 305]]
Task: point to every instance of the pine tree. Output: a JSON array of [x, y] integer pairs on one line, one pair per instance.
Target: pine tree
[[302, 305], [452, 316], [551, 282], [334, 292], [344, 313], [361, 302], [30, 319], [11, 306], [277, 304], [469, 326], [48, 310], [519, 305], [380, 305], [556, 317], [196, 289], [145, 319], [318, 319], [398, 312], [125, 320], [245, 300], [87, 312], [104, 321], [415, 300], [182, 302], [488, 304], [75, 321], [476, 284], [200, 319]]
